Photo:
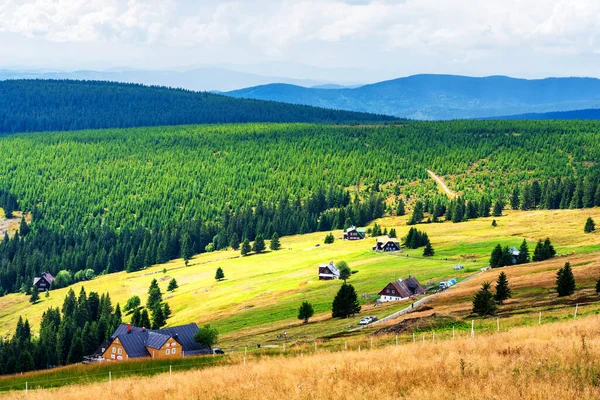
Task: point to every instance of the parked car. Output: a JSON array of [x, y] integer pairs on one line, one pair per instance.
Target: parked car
[[367, 320], [217, 350]]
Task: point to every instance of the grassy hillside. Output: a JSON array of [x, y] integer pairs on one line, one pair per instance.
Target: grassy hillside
[[445, 97], [60, 105], [553, 361], [261, 293]]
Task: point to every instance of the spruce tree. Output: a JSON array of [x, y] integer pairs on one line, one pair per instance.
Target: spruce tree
[[345, 303], [393, 233], [275, 244], [219, 275], [428, 250], [590, 226], [483, 302], [503, 291], [565, 281], [35, 295], [496, 258], [498, 208], [246, 248], [259, 244], [234, 242], [305, 311], [400, 210], [158, 318], [145, 319], [329, 238], [154, 296], [172, 285], [166, 310], [494, 223], [136, 317], [523, 257], [549, 250]]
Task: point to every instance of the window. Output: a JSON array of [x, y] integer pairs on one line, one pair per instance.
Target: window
[[114, 350], [387, 290], [168, 351], [173, 351], [120, 351], [393, 291]]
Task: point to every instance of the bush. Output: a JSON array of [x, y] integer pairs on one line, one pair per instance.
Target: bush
[[305, 311], [62, 279], [207, 335], [132, 303]]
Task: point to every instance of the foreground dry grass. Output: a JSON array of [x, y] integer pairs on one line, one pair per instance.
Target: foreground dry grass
[[560, 360]]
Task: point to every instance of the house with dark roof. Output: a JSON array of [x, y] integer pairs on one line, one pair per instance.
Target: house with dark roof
[[401, 289], [130, 342], [354, 233], [328, 272], [386, 244], [44, 281]]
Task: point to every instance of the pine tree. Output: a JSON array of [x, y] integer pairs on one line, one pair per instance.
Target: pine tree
[[234, 242], [154, 296], [35, 295], [565, 281], [329, 239], [220, 275], [136, 317], [186, 248], [428, 250], [259, 244], [498, 208], [523, 257], [483, 302], [590, 226], [345, 303], [166, 310], [145, 319], [503, 291], [275, 245], [549, 250], [496, 258], [158, 318], [494, 223], [514, 199], [393, 233], [400, 210], [172, 285], [305, 311], [245, 249]]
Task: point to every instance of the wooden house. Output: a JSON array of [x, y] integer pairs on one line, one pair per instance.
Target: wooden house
[[401, 289], [354, 233], [386, 244], [130, 342], [328, 272], [43, 282]]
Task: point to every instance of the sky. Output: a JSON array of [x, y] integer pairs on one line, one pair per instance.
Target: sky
[[349, 40]]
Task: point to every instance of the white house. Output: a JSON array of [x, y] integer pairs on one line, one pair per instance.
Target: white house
[[328, 272]]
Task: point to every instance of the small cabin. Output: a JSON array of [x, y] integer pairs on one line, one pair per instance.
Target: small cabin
[[514, 252], [43, 282], [401, 289], [386, 244], [328, 272], [354, 233]]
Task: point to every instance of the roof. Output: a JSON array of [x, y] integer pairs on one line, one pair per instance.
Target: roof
[[404, 288], [353, 228], [136, 342], [46, 275], [331, 268]]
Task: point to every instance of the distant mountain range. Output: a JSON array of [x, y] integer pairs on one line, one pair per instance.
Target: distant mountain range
[[443, 96], [199, 79], [575, 114]]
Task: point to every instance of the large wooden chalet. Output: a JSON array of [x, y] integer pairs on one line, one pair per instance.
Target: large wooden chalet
[[129, 342], [354, 233], [401, 289], [386, 244], [44, 281], [328, 272]]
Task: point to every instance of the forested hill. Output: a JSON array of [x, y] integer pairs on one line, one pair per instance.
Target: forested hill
[[61, 105], [443, 96], [576, 114]]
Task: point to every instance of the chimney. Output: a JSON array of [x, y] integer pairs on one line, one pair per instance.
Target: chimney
[[128, 328]]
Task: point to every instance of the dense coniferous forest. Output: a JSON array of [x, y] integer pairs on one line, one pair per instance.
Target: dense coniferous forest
[[113, 200], [63, 105], [66, 335]]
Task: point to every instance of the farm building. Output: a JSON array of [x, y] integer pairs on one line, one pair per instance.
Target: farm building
[[514, 252], [354, 233], [43, 282], [328, 272], [386, 244], [401, 289], [129, 342]]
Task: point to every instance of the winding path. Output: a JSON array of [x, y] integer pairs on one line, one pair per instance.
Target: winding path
[[442, 184]]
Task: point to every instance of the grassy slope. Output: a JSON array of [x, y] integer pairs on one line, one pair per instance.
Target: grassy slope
[[555, 361], [261, 294]]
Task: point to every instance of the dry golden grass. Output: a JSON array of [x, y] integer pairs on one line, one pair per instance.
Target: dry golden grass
[[555, 361]]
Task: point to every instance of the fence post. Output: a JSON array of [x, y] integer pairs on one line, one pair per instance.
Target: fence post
[[414, 338], [540, 318], [359, 348], [452, 331], [284, 347], [170, 371], [26, 388], [371, 343], [498, 324], [472, 328], [576, 306], [396, 339], [433, 336], [423, 339], [315, 346], [245, 350], [109, 378], [345, 345]]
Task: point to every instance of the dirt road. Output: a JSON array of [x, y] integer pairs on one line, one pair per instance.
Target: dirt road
[[442, 184]]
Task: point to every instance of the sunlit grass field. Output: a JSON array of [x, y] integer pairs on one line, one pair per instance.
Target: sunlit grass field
[[261, 293]]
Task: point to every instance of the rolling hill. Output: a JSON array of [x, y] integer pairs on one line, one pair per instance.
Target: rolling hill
[[443, 96], [590, 114], [52, 105]]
